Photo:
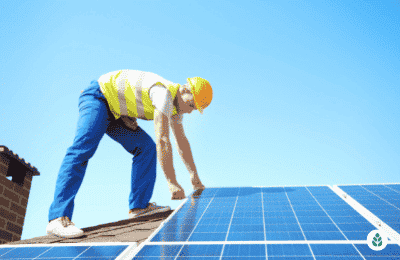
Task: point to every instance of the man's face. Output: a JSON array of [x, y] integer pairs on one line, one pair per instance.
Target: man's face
[[187, 97]]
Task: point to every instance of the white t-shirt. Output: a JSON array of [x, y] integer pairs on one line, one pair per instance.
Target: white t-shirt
[[162, 100]]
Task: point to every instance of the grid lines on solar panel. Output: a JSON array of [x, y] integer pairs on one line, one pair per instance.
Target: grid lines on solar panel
[[383, 201], [270, 252], [345, 219], [259, 214], [64, 253]]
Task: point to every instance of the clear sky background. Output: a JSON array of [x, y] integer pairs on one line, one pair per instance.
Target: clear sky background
[[305, 92]]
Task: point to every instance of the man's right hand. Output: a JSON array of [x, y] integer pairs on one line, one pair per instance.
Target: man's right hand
[[196, 183], [177, 192]]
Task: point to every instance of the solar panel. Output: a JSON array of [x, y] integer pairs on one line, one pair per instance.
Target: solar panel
[[382, 200], [66, 251], [260, 214], [308, 222]]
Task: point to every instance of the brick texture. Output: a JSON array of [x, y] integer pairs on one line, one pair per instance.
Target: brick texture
[[3, 166], [24, 202], [20, 221], [2, 223], [7, 214], [6, 183], [11, 195], [14, 228], [3, 170], [25, 193], [18, 189], [4, 201], [16, 238], [5, 235], [17, 209], [28, 178], [28, 182]]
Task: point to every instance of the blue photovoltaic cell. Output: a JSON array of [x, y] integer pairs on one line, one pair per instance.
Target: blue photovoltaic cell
[[390, 252], [394, 186], [65, 253], [23, 252], [273, 252], [259, 214], [381, 200], [159, 250]]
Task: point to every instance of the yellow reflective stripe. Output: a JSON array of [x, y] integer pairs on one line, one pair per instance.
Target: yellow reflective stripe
[[138, 93], [173, 88], [110, 94], [148, 106]]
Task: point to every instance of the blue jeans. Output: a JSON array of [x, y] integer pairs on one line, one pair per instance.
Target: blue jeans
[[96, 119]]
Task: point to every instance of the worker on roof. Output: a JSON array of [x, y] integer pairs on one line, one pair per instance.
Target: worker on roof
[[111, 105]]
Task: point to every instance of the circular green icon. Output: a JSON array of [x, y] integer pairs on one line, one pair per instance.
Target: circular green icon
[[377, 240]]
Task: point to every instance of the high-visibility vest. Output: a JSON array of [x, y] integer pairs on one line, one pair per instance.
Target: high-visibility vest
[[128, 92]]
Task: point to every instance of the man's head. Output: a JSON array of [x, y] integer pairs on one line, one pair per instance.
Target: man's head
[[187, 104], [196, 93]]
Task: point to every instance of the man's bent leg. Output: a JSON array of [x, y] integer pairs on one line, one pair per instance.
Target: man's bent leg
[[94, 118], [144, 162]]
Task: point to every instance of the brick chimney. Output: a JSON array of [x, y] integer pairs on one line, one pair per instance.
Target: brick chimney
[[14, 194]]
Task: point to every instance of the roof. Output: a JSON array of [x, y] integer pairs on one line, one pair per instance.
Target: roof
[[17, 162], [127, 230]]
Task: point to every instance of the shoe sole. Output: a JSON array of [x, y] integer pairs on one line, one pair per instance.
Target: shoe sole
[[72, 236], [151, 212]]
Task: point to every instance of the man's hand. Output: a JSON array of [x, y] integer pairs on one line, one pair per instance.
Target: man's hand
[[177, 192], [196, 183], [164, 154]]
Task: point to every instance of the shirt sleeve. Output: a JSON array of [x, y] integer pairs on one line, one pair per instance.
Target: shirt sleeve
[[162, 100]]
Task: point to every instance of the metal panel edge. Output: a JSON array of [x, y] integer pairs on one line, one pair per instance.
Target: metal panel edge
[[128, 253]]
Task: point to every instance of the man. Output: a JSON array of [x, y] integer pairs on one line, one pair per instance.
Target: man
[[111, 105]]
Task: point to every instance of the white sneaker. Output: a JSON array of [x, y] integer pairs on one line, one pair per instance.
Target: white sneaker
[[151, 209], [63, 227]]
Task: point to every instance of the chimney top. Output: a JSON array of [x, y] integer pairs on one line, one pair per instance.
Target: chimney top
[[16, 160]]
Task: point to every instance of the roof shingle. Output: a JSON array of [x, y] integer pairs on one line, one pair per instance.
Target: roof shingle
[[127, 230]]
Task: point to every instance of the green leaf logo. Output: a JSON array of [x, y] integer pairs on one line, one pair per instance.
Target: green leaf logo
[[377, 240]]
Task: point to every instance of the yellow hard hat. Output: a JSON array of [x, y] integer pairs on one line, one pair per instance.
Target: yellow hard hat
[[202, 92]]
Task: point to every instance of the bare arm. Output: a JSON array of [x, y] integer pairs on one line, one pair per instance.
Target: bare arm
[[164, 151], [185, 153]]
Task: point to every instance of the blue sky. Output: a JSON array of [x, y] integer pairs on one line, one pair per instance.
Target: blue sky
[[305, 92]]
